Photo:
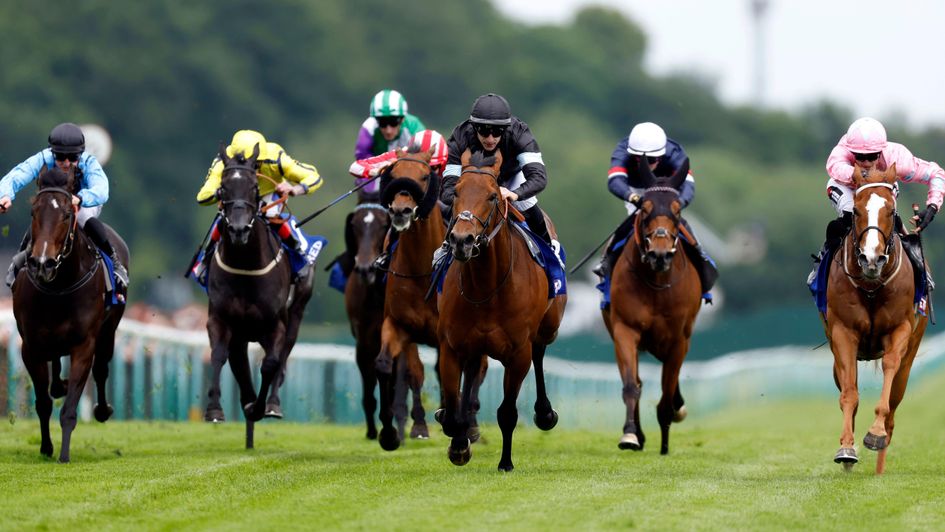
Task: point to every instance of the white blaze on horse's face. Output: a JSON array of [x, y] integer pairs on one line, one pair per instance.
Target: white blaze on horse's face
[[55, 203], [369, 217], [874, 208]]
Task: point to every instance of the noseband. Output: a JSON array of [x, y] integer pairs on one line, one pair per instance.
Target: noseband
[[425, 199], [67, 245], [886, 238], [253, 207]]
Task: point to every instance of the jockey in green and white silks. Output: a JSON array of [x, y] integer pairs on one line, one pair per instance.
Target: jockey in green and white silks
[[388, 127]]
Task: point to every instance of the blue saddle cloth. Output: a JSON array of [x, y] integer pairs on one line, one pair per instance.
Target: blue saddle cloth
[[112, 296], [337, 278], [540, 252], [604, 285], [818, 289]]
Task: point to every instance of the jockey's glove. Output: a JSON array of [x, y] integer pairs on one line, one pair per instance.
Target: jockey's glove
[[924, 218]]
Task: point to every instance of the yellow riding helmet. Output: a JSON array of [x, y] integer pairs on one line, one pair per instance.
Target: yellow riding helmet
[[244, 141]]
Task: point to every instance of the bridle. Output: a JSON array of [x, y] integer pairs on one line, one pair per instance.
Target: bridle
[[659, 232], [889, 239], [67, 245], [408, 185], [226, 205], [482, 239], [886, 238]]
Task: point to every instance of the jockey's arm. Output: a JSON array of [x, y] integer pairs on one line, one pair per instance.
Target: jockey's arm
[[94, 191], [839, 167], [687, 191], [370, 167], [208, 192], [299, 173], [530, 161], [21, 175], [911, 169]]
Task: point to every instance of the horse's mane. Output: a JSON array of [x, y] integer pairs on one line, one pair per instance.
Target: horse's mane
[[480, 159], [53, 178]]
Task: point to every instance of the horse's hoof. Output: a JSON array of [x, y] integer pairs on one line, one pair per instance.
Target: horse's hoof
[[438, 415], [847, 457], [252, 413], [46, 450], [547, 421], [506, 467], [371, 433], [460, 457], [473, 434], [874, 442], [274, 411], [58, 389], [214, 415], [680, 414], [103, 412], [389, 439], [419, 431], [629, 441]]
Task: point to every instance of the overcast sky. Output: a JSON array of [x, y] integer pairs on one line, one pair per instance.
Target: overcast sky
[[879, 58]]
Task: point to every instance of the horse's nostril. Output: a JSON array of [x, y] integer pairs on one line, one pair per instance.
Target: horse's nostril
[[49, 264]]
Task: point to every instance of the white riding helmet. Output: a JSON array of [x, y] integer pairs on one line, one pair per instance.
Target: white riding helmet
[[647, 139]]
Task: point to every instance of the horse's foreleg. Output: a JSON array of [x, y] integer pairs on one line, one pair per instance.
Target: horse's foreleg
[[393, 343], [79, 368], [271, 366], [274, 403], [844, 344], [39, 373], [415, 377], [452, 416], [545, 416], [626, 341], [665, 409], [365, 352], [894, 345], [507, 415], [219, 341], [474, 371], [104, 349]]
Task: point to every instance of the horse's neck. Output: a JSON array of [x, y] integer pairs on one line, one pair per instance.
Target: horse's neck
[[492, 265], [261, 248]]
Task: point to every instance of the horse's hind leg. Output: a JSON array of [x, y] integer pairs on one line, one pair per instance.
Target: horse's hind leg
[[239, 364], [401, 391], [273, 403], [39, 373], [57, 388], [665, 411], [219, 341], [271, 366], [507, 414], [844, 346], [679, 406], [545, 416], [79, 369], [415, 377], [364, 354], [104, 349]]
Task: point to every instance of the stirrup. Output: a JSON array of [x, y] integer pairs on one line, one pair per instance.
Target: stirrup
[[381, 262]]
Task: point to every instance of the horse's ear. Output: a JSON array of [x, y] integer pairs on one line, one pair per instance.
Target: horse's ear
[[858, 178], [252, 160], [680, 175], [464, 160], [890, 175], [222, 154], [645, 173], [401, 152]]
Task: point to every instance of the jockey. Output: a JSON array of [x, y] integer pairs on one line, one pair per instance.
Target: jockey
[[369, 168], [280, 175], [66, 150], [865, 144], [665, 156], [389, 127], [491, 127]]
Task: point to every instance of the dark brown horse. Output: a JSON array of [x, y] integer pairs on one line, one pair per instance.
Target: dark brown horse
[[870, 311], [410, 190], [365, 229], [655, 295], [60, 309], [494, 302], [252, 298]]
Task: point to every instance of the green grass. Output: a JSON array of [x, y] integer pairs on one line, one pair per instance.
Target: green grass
[[764, 466]]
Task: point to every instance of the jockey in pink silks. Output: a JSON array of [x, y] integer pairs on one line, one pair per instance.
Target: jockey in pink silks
[[865, 144]]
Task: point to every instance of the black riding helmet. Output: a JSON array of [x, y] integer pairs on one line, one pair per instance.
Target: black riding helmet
[[67, 138], [491, 109]]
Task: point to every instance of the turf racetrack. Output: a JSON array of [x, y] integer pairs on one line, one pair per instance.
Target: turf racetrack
[[763, 466]]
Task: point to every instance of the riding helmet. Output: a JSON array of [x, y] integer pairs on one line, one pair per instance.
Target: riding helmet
[[491, 109], [67, 138], [388, 102]]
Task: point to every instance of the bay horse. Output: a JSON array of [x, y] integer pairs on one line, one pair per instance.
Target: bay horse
[[494, 302], [870, 311], [409, 190], [60, 307], [365, 229], [251, 295], [655, 295]]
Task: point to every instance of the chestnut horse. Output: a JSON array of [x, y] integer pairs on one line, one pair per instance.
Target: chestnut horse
[[655, 295], [870, 311], [494, 302], [251, 296], [365, 229], [60, 308], [409, 190]]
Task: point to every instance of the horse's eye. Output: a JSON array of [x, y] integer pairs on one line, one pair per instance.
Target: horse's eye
[[425, 178], [494, 197]]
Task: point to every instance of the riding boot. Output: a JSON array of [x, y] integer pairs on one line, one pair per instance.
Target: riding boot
[[19, 259], [607, 262], [705, 266], [95, 229], [535, 219], [836, 230], [382, 262], [203, 267]]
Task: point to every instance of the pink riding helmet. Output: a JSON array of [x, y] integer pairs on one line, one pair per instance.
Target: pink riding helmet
[[866, 135], [427, 138]]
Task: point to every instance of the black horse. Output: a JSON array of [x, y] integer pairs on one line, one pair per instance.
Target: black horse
[[60, 307], [252, 297]]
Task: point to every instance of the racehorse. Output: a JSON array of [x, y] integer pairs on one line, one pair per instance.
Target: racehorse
[[59, 301], [409, 190], [870, 311], [365, 229], [251, 295], [494, 302], [655, 295]]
